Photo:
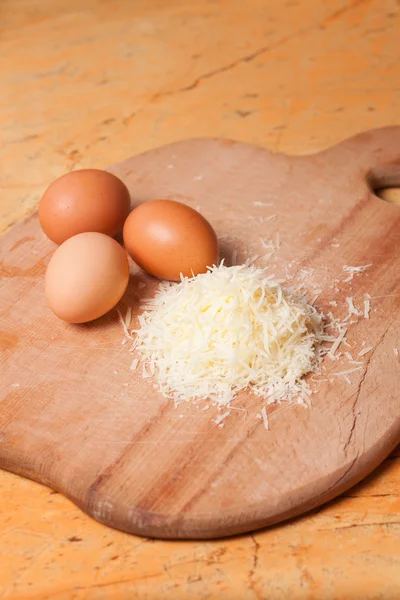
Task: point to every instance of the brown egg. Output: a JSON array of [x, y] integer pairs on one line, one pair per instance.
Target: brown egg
[[85, 200], [167, 238], [86, 277]]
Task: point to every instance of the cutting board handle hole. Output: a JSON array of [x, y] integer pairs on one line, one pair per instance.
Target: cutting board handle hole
[[389, 194], [384, 182]]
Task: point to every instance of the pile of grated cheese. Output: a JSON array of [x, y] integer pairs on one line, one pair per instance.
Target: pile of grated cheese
[[228, 330]]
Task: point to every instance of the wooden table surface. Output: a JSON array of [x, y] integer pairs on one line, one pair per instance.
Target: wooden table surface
[[86, 83]]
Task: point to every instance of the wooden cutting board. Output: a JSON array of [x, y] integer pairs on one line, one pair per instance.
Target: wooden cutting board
[[73, 417]]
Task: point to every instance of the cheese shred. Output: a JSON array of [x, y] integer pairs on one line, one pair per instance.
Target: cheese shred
[[227, 330]]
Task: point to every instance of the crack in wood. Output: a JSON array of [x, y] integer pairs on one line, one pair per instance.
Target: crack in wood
[[341, 11], [353, 408], [360, 385], [337, 482], [253, 55], [356, 525], [253, 569]]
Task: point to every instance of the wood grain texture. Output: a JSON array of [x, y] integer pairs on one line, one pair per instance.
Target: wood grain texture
[[76, 419], [284, 97]]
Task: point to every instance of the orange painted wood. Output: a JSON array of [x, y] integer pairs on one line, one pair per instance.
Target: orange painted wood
[[93, 100], [123, 453]]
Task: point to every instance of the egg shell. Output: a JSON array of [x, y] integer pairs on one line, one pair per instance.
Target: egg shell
[[86, 277], [81, 201], [167, 238]]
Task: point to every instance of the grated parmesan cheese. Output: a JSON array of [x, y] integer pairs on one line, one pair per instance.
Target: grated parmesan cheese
[[134, 364], [317, 294], [352, 308], [265, 417], [252, 260], [220, 418], [128, 317], [227, 330], [365, 351], [123, 322], [367, 308], [341, 337], [347, 371], [353, 270], [268, 244]]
